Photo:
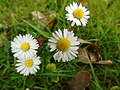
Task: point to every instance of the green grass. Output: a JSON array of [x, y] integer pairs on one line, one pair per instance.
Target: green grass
[[102, 29]]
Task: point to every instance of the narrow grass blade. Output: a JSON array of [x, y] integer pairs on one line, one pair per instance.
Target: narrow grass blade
[[45, 34]]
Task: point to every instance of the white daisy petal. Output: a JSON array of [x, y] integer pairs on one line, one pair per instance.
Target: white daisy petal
[[60, 33], [58, 56], [20, 68], [86, 17], [14, 45], [65, 33], [16, 41], [65, 57], [70, 17], [31, 71], [73, 23], [19, 64], [73, 53], [27, 71], [23, 71], [74, 48], [16, 50], [69, 9], [18, 54], [75, 5], [87, 13], [69, 36], [75, 43], [83, 21], [80, 5], [55, 36], [28, 65], [78, 23], [74, 39], [53, 40], [52, 49], [77, 14], [34, 69], [72, 7], [66, 46], [37, 67], [70, 56], [85, 9]]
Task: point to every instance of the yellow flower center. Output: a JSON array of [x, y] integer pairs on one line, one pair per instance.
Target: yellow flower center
[[25, 46], [78, 13], [63, 44], [28, 63]]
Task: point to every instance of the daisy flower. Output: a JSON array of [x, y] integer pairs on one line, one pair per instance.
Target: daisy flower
[[65, 44], [78, 14], [24, 46], [28, 65]]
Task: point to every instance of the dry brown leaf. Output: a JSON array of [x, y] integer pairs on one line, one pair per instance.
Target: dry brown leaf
[[51, 24], [63, 1], [118, 24], [40, 17], [84, 2], [0, 66], [92, 52], [43, 19], [80, 1], [40, 41], [80, 81], [108, 62]]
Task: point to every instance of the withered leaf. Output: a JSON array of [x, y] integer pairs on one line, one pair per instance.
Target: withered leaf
[[43, 18], [51, 24], [80, 81], [107, 62], [40, 17], [0, 66], [40, 41], [92, 52], [63, 1], [84, 2]]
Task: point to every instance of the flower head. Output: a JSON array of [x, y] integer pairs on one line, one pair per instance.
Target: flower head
[[65, 44], [24, 46], [28, 65], [78, 14]]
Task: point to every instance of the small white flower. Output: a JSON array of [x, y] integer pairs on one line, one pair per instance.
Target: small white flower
[[78, 14], [28, 65], [65, 44], [24, 46]]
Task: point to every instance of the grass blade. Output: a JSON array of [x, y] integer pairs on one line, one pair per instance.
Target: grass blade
[[45, 34]]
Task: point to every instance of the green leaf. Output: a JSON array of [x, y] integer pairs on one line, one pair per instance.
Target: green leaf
[[45, 34], [55, 79], [51, 67], [115, 88]]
